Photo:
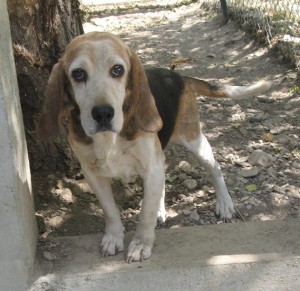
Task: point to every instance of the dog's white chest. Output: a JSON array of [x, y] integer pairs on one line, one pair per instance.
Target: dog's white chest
[[117, 164], [111, 157]]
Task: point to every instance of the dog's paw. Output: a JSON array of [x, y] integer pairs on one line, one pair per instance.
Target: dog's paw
[[138, 250], [225, 207], [112, 244]]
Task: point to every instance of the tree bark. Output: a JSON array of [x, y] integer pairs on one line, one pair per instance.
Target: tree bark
[[40, 30]]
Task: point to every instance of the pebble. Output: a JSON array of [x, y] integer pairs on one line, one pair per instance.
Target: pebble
[[241, 161], [190, 184], [265, 99], [243, 199], [55, 221], [279, 129], [296, 164], [65, 195], [260, 158], [183, 176], [279, 190], [287, 106], [248, 173], [186, 211], [181, 196], [187, 168], [272, 172], [194, 215], [49, 256]]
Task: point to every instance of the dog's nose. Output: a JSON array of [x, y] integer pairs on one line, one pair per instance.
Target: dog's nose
[[103, 114]]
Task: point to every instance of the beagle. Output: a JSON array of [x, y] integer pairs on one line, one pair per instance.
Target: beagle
[[121, 117]]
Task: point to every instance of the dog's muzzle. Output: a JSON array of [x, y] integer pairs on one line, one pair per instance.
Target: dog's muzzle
[[103, 115]]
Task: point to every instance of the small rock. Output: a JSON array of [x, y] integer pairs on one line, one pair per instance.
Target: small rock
[[296, 164], [190, 184], [260, 158], [272, 172], [248, 173], [287, 106], [200, 193], [279, 129], [265, 99], [243, 199], [171, 178], [279, 190], [49, 256], [183, 176], [55, 221], [242, 162], [194, 215], [65, 195], [277, 196], [181, 196], [187, 168], [237, 117], [207, 189], [249, 207], [186, 211]]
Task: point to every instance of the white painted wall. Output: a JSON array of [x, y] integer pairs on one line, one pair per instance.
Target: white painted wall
[[18, 231]]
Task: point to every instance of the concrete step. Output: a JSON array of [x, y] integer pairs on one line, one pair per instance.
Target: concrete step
[[235, 256]]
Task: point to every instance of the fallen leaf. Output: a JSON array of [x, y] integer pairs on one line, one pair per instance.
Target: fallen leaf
[[251, 187], [267, 137]]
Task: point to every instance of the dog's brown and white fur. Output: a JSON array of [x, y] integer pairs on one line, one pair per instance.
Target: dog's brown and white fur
[[121, 117]]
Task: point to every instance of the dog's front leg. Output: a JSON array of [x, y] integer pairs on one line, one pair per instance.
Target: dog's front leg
[[112, 241], [142, 242]]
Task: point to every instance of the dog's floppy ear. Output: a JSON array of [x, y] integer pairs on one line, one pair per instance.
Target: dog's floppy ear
[[56, 102], [145, 111]]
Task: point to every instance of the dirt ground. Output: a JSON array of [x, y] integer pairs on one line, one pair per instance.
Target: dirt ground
[[256, 140]]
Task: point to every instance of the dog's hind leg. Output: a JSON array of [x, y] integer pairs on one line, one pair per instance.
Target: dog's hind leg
[[202, 149]]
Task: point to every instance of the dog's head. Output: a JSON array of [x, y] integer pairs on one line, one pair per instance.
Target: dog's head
[[99, 75]]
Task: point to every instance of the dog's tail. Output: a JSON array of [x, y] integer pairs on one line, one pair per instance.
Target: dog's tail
[[204, 88]]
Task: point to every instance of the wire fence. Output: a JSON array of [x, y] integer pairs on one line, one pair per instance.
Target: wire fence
[[275, 22]]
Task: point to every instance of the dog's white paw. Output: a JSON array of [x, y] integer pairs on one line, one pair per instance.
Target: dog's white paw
[[138, 250], [224, 206], [112, 244]]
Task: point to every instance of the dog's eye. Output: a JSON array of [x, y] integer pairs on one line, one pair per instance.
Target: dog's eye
[[79, 75], [117, 71]]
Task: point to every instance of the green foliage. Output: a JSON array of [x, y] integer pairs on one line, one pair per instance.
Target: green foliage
[[294, 89]]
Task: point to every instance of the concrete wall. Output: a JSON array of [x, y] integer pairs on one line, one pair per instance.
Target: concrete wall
[[18, 230]]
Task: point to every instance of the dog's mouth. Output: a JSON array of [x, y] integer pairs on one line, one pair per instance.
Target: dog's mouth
[[103, 128]]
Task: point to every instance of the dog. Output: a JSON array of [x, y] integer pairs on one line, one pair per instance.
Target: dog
[[121, 118]]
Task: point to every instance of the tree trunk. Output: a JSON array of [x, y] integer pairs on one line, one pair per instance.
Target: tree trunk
[[40, 30]]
